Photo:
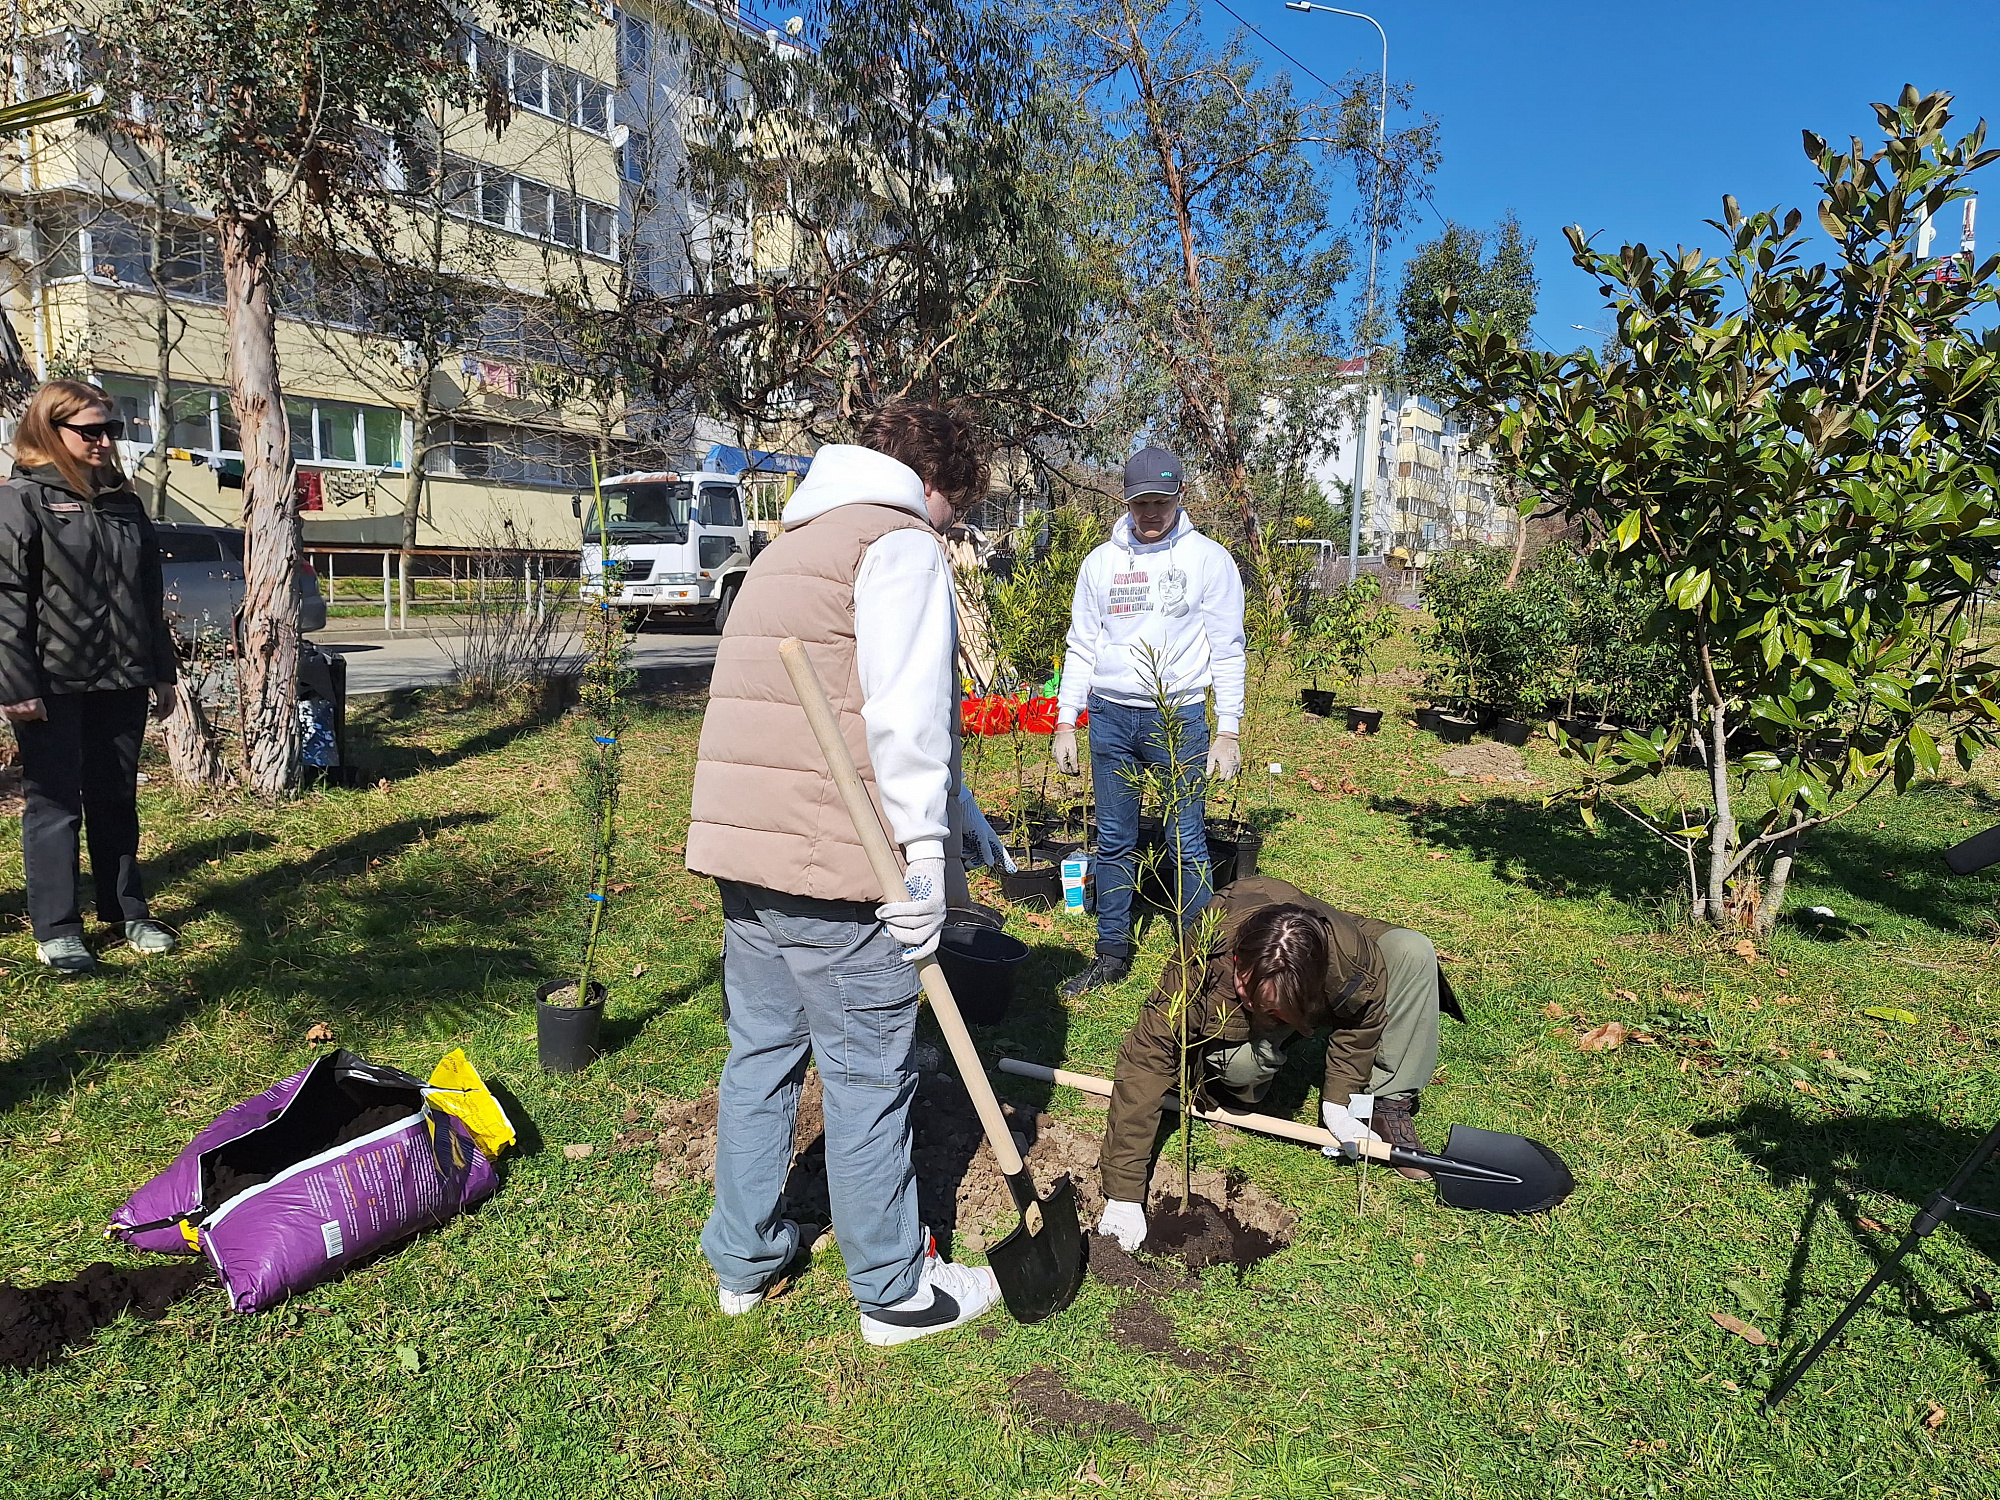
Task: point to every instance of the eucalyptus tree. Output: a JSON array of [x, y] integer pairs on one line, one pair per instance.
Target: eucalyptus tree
[[874, 217], [1211, 230], [1796, 462], [273, 113]]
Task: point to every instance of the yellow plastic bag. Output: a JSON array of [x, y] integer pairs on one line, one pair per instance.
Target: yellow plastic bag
[[457, 1089]]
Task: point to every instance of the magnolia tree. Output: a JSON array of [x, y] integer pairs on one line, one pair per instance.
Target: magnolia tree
[[1796, 460]]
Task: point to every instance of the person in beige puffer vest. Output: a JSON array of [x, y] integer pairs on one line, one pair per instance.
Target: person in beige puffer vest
[[815, 961]]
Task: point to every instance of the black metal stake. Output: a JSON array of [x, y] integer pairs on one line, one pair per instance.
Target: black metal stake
[[1940, 1207]]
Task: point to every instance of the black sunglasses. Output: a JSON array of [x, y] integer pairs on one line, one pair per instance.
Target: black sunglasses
[[93, 431]]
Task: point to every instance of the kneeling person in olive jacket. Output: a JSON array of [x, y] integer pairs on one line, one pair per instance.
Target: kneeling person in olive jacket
[[1280, 966]]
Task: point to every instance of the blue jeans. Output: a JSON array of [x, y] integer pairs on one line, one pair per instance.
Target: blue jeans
[[1123, 742], [820, 977]]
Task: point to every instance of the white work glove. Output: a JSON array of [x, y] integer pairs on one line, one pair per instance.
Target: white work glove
[[983, 846], [1124, 1222], [1345, 1128], [1063, 748], [916, 923], [1224, 758]]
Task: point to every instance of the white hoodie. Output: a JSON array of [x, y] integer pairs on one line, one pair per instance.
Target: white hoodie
[[905, 640], [1177, 602]]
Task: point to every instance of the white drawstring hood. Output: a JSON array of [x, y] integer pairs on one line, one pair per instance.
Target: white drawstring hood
[[1171, 609], [847, 474]]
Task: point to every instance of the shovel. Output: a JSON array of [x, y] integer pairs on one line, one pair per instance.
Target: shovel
[[1040, 1265], [1479, 1169]]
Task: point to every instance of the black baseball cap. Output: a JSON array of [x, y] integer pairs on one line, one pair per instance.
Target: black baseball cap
[[1152, 471]]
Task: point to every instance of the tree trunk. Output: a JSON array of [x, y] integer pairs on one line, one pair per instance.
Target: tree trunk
[[413, 485], [269, 665], [192, 752], [1722, 829], [163, 354], [1520, 551], [1781, 873]]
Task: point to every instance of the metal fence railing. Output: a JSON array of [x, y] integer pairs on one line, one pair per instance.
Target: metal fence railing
[[441, 579]]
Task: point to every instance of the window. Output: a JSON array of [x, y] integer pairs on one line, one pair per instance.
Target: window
[[530, 81], [382, 438], [636, 158], [599, 237], [60, 244], [299, 421], [720, 506], [120, 252], [593, 110], [562, 218], [635, 45], [339, 433], [496, 199], [132, 403]]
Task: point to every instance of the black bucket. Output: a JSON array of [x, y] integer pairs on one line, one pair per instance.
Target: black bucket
[[566, 1035], [1510, 731], [1317, 701], [1455, 729], [1035, 886], [979, 964], [1364, 720]]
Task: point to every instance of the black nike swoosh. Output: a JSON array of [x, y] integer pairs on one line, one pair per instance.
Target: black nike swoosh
[[943, 1309]]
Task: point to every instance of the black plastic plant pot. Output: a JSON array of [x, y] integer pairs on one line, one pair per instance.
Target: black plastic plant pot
[[1035, 886], [974, 915], [1427, 720], [566, 1035], [1455, 729], [979, 964], [1587, 730], [1509, 731], [1317, 702], [1364, 720]]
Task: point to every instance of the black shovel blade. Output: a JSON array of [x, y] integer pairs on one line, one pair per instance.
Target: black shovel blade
[[1541, 1181], [1039, 1271]]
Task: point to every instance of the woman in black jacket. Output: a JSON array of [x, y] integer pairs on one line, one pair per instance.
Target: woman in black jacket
[[83, 645]]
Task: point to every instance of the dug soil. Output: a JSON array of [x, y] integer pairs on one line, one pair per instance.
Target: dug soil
[[1051, 1406], [38, 1322], [1140, 1324], [225, 1181], [965, 1200]]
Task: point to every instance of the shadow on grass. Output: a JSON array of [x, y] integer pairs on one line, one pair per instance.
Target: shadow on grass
[[378, 756], [1910, 1156], [1905, 874], [174, 862], [1547, 850], [405, 975]]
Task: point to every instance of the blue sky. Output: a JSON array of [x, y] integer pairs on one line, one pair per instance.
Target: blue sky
[[1633, 119]]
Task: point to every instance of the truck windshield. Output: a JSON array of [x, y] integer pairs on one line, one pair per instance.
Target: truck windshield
[[652, 511]]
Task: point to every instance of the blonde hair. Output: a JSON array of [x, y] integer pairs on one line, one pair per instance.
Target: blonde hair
[[37, 442]]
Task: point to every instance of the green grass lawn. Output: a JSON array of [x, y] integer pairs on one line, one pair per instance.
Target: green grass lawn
[[565, 1336]]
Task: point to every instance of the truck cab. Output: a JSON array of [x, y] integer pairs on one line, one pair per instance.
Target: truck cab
[[671, 544]]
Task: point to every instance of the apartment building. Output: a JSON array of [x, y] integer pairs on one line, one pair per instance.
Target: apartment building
[[110, 278]]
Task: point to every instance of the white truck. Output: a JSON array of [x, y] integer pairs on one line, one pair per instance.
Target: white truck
[[678, 544]]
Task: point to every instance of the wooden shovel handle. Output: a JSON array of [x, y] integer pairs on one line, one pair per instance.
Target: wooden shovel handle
[[868, 828]]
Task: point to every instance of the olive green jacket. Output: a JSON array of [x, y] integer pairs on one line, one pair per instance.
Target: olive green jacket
[[1149, 1060]]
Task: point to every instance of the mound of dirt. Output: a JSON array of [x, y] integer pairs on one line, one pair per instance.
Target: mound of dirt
[[964, 1198], [1140, 1324], [1486, 760], [1051, 1406], [38, 1322]]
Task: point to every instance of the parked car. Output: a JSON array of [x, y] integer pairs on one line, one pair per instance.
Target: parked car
[[201, 571]]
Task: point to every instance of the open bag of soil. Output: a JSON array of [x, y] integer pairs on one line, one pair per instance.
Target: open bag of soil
[[289, 1188]]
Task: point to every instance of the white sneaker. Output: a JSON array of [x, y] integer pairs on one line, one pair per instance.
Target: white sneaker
[[947, 1296], [735, 1304]]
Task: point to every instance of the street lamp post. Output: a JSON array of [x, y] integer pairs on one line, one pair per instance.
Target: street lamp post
[[1364, 427]]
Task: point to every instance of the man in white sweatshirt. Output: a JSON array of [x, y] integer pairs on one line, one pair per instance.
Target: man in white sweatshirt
[[1157, 620], [815, 962]]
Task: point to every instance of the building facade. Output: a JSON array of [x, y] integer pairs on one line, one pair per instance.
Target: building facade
[[552, 231]]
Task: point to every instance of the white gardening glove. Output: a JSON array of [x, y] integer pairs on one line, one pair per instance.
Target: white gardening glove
[[1345, 1128], [1224, 758], [1124, 1222], [983, 846], [1063, 748], [916, 923]]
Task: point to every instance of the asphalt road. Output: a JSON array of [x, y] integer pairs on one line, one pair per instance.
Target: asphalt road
[[382, 664]]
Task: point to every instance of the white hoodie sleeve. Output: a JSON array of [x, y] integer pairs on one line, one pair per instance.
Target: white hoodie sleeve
[[1222, 621], [1080, 652], [905, 654]]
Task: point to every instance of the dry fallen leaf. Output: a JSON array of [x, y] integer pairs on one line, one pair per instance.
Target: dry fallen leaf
[[1554, 1011], [1602, 1038], [1747, 951], [1435, 854], [638, 970], [1625, 995], [319, 1031], [1935, 1419], [1783, 972], [1446, 958], [579, 1151], [1750, 1333], [1871, 1225]]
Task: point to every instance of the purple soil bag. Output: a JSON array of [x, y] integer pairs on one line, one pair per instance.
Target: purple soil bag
[[314, 1174]]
